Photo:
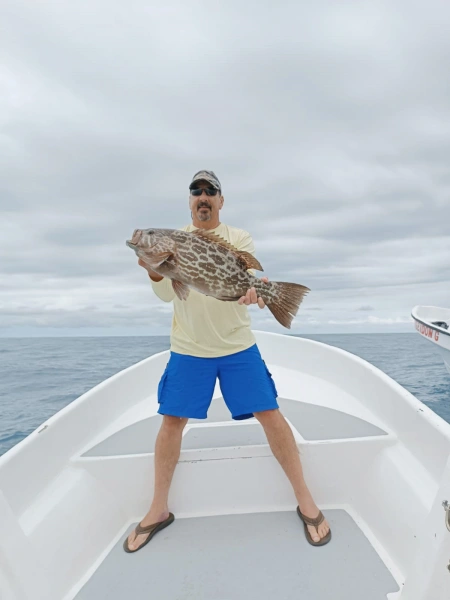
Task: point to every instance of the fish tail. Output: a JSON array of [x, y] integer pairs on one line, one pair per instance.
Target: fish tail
[[285, 301]]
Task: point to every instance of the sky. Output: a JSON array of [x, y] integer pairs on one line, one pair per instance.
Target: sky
[[327, 123]]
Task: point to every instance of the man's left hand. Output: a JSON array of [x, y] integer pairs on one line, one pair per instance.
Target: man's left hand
[[251, 297]]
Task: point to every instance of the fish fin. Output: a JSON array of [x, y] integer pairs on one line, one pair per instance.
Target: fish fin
[[248, 261], [180, 289], [209, 235], [228, 298], [287, 301], [156, 260]]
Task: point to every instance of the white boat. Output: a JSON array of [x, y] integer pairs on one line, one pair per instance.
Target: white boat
[[375, 458], [433, 323]]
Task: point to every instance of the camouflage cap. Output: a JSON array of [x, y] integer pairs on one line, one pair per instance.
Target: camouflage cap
[[208, 176]]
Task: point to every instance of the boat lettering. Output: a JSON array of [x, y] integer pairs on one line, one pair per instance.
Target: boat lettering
[[426, 331]]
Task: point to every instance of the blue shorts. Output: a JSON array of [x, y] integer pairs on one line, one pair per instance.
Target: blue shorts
[[187, 385]]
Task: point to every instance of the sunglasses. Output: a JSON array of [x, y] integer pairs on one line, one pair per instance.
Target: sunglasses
[[208, 191]]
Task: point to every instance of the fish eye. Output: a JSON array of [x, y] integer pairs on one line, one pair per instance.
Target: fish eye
[[150, 231]]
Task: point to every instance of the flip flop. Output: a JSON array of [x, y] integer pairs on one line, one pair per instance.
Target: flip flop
[[151, 530], [315, 523]]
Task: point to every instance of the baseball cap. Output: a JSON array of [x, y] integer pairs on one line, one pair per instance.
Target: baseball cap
[[208, 176]]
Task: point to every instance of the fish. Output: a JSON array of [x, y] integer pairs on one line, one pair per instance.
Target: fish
[[207, 263]]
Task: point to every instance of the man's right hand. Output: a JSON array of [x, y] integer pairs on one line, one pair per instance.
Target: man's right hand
[[152, 274]]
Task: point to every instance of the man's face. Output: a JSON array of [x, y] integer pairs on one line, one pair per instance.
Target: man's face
[[205, 207]]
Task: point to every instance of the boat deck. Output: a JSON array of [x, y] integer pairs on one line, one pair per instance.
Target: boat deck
[[256, 556], [253, 555]]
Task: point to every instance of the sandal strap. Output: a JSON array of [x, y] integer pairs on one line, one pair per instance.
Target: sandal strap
[[149, 528], [139, 529], [315, 522]]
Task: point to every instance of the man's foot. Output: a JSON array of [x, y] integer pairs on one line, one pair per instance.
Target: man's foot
[[312, 512], [135, 541]]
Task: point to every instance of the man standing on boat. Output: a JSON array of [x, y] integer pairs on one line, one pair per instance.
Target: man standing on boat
[[212, 339]]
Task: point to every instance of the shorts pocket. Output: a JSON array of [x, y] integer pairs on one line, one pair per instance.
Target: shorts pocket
[[271, 381]]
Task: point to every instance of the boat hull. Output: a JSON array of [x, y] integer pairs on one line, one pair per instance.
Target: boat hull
[[374, 457]]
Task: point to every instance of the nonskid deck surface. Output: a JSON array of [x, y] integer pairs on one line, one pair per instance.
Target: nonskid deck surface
[[313, 423], [257, 556]]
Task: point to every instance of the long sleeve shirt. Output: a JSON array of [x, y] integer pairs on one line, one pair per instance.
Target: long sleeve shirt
[[201, 325]]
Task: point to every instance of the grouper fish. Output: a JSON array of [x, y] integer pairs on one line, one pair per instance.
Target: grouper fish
[[207, 263]]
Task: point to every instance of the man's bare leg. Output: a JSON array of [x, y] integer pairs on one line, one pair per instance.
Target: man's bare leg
[[284, 448], [167, 453]]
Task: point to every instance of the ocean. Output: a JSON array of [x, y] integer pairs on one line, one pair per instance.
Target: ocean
[[40, 376]]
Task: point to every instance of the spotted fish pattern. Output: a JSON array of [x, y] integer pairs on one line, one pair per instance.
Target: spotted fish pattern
[[207, 263]]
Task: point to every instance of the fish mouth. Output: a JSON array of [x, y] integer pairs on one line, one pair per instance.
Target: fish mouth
[[135, 247], [137, 234]]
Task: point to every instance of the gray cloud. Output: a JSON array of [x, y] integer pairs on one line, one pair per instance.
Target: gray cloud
[[328, 125]]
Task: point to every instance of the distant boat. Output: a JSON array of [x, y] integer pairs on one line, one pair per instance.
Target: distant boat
[[433, 323], [376, 459]]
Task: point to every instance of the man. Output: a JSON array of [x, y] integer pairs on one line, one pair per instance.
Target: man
[[212, 339]]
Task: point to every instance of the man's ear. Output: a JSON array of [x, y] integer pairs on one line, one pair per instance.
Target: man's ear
[[222, 200]]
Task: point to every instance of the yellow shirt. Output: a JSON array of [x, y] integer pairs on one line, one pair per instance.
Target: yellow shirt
[[201, 325]]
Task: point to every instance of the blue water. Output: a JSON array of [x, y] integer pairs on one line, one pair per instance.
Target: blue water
[[39, 376]]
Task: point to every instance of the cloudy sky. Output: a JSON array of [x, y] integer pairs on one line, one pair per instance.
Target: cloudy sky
[[328, 124]]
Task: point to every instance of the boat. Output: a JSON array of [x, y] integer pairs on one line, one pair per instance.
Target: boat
[[376, 459], [433, 323]]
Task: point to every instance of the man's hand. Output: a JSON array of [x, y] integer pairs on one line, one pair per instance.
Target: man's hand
[[152, 274], [251, 298]]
